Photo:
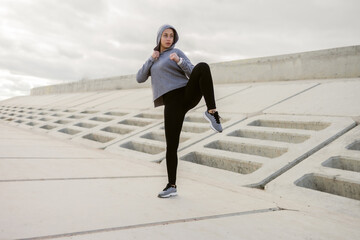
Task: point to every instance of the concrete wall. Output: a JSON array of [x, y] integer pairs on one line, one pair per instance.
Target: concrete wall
[[105, 84], [324, 64]]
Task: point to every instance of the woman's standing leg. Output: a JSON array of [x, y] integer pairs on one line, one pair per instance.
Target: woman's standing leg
[[174, 117], [174, 114]]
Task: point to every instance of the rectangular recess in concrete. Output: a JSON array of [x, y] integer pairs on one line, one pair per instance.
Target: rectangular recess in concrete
[[62, 122], [119, 114], [69, 131], [70, 110], [101, 119], [343, 163], [221, 162], [75, 116], [160, 137], [264, 151], [32, 123], [98, 138], [150, 115], [57, 115], [85, 125], [48, 127], [135, 122], [154, 136], [45, 119], [354, 146], [314, 126], [199, 118], [89, 112], [117, 130], [142, 147], [330, 184], [272, 136]]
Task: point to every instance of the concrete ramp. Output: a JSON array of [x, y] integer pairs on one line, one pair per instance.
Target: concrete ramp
[[123, 122]]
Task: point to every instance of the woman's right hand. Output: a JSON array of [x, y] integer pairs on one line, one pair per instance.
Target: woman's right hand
[[155, 55]]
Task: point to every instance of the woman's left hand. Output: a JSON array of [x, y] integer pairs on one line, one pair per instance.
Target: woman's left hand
[[174, 57]]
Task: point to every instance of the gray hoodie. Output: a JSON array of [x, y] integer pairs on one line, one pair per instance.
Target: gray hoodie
[[166, 75]]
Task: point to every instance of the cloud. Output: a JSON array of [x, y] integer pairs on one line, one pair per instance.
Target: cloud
[[12, 84], [51, 41]]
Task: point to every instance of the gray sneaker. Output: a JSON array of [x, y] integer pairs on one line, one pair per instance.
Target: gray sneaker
[[214, 120], [168, 191]]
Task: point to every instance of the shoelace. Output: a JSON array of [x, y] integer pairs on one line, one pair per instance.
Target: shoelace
[[217, 117]]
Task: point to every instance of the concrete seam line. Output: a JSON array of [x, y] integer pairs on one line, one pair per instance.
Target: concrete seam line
[[218, 99], [154, 224], [70, 179], [296, 94]]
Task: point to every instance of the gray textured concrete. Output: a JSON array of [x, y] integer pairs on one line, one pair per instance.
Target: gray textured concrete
[[248, 225], [47, 193], [263, 147], [322, 64], [338, 98], [86, 165], [334, 170]]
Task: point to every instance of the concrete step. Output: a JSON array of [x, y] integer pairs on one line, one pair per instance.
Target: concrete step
[[332, 171], [263, 147]]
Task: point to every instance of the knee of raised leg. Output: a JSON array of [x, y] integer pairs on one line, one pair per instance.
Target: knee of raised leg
[[203, 66]]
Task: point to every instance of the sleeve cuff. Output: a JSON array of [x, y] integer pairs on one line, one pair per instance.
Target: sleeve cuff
[[180, 61]]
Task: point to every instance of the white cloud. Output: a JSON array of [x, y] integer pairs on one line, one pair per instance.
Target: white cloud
[[51, 41], [12, 84]]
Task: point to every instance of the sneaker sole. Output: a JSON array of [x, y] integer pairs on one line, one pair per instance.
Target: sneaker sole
[[207, 119], [169, 195]]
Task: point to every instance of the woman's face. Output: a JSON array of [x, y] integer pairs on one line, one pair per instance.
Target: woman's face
[[167, 39]]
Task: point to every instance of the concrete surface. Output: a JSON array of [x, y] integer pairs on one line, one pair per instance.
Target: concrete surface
[[263, 147], [322, 64], [334, 170], [324, 100], [86, 165], [48, 194]]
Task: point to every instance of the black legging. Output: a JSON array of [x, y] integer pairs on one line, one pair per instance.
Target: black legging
[[177, 103]]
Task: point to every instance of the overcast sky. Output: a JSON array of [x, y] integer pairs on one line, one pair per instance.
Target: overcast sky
[[46, 42]]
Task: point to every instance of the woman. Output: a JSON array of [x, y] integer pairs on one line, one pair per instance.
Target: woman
[[178, 85]]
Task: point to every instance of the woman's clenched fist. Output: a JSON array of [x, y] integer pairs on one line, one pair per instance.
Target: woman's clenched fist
[[174, 57], [155, 55]]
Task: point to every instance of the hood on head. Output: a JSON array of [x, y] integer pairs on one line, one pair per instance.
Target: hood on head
[[160, 31]]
